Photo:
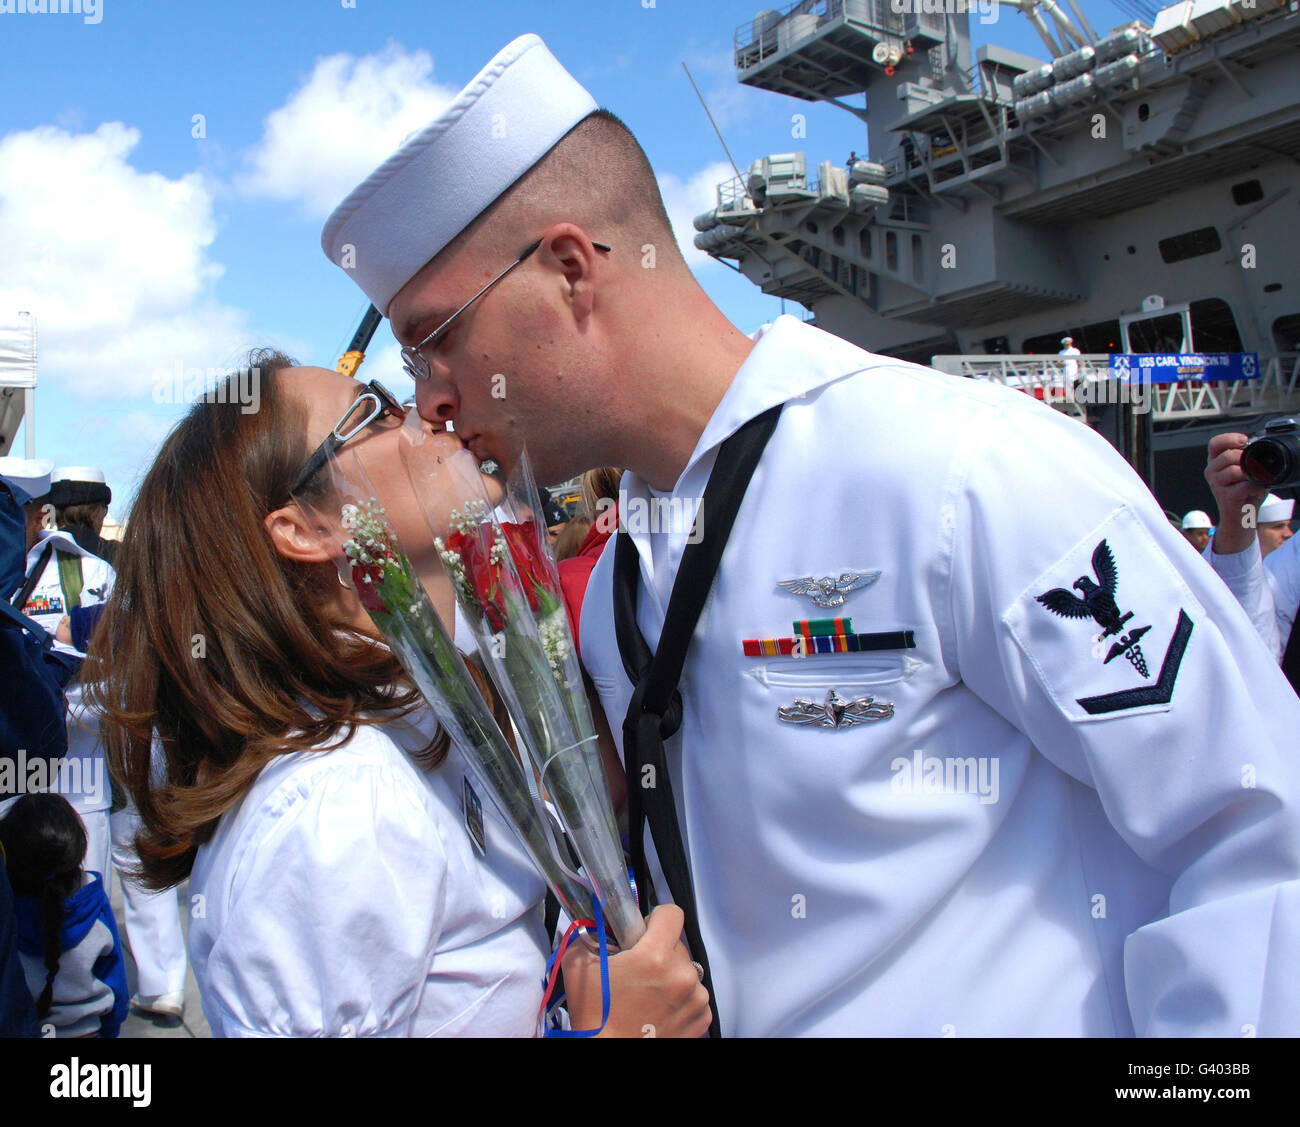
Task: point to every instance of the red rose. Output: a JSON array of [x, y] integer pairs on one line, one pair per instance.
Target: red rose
[[530, 562], [366, 577], [483, 577]]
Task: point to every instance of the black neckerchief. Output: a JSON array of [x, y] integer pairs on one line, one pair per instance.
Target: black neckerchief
[[654, 713]]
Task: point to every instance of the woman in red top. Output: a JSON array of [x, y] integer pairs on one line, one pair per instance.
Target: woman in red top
[[600, 502]]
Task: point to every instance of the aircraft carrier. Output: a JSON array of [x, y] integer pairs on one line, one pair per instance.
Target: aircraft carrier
[[1138, 190]]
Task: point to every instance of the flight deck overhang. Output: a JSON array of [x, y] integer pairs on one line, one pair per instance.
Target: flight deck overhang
[[981, 305]]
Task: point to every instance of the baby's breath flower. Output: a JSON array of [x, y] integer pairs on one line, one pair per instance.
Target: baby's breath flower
[[555, 642]]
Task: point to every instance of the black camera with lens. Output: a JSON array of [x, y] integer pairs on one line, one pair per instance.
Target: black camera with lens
[[1272, 457]]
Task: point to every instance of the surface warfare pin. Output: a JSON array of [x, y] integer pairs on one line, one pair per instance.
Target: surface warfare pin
[[835, 711], [829, 591], [1096, 600]]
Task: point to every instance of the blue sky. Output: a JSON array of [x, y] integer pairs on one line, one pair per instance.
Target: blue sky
[[141, 247]]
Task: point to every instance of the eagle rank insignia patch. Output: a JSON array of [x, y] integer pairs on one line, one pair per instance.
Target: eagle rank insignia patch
[[1107, 626], [1097, 600]]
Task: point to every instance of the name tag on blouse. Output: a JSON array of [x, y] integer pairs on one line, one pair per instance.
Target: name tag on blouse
[[474, 818]]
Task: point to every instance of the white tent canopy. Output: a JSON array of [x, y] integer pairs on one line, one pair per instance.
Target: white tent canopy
[[17, 377]]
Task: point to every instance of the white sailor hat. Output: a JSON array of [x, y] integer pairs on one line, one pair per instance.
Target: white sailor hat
[[1067, 340], [1197, 519], [31, 476], [79, 485], [1274, 509], [447, 174]]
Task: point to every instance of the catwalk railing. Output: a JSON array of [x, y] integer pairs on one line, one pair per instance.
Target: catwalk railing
[[1072, 384]]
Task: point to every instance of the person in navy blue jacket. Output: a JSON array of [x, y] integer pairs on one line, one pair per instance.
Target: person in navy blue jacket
[[32, 715], [17, 1012], [67, 937]]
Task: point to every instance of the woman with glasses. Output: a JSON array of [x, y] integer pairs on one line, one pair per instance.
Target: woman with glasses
[[304, 789]]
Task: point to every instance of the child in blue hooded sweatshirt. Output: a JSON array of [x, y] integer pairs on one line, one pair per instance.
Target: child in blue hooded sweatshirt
[[67, 937]]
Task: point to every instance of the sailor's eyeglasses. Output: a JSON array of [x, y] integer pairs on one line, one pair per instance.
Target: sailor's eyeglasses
[[374, 403], [417, 367]]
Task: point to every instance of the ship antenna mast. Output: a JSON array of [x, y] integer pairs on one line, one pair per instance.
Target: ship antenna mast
[[718, 131], [1065, 29]]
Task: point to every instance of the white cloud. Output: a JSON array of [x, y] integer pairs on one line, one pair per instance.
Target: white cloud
[[344, 120], [150, 428], [685, 199], [111, 260]]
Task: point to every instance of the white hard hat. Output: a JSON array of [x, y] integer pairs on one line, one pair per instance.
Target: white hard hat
[[1197, 519], [1274, 509]]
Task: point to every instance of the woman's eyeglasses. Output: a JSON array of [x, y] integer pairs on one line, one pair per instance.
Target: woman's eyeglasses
[[374, 403]]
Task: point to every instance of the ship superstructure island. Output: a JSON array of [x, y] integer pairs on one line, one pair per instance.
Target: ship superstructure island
[[1138, 191]]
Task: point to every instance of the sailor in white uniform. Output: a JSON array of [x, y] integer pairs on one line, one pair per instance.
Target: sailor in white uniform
[[1069, 366], [32, 476], [1274, 527], [1041, 838], [151, 920], [62, 574], [962, 721], [151, 923], [1268, 588]]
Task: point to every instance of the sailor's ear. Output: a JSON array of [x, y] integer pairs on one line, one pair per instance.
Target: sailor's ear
[[569, 250], [297, 535]]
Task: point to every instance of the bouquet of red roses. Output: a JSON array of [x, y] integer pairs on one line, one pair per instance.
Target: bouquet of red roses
[[509, 590], [372, 560], [484, 574]]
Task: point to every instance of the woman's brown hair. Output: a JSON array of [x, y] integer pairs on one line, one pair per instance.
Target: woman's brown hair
[[571, 537], [215, 641], [600, 483]]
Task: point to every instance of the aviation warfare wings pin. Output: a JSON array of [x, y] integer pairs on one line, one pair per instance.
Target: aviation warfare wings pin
[[1114, 595], [829, 591]]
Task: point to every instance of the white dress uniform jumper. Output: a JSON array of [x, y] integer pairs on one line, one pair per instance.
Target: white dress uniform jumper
[[1034, 773]]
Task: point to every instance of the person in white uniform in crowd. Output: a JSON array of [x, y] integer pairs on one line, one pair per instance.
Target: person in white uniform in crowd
[[1267, 588], [76, 502], [1198, 528], [304, 789], [64, 574], [32, 475], [1069, 366], [151, 922], [1001, 791], [1274, 527]]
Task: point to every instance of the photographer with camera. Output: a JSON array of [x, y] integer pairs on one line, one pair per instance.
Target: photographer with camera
[[1241, 470]]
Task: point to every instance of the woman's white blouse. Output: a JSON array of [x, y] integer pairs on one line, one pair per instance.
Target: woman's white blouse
[[343, 896]]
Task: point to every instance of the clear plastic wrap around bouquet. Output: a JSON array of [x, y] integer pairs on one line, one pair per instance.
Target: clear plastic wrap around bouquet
[[500, 563], [371, 560]]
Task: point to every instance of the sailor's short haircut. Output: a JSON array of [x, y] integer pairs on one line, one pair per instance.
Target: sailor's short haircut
[[596, 175]]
